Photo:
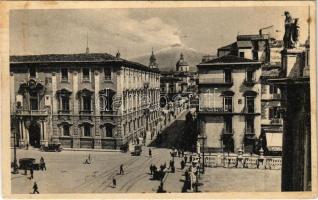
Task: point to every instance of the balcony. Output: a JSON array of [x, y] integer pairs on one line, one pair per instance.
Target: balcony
[[271, 96], [107, 113], [249, 131], [227, 132], [214, 81], [85, 112], [32, 112], [215, 110], [249, 82], [63, 112], [276, 121]]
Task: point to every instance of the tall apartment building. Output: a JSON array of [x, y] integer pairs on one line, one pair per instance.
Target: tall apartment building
[[230, 103], [263, 48], [90, 100]]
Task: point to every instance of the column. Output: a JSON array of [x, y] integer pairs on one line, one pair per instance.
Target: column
[[97, 135], [22, 137], [26, 133]]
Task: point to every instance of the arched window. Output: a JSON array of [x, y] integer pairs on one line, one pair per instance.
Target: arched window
[[106, 99], [64, 100], [87, 128], [86, 100], [34, 100]]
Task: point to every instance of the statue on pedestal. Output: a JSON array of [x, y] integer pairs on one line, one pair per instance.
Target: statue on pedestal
[[291, 36]]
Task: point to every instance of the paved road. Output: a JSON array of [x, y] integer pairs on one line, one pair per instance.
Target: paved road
[[66, 172]]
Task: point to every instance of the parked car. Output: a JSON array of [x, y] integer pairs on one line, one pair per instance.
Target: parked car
[[137, 150], [28, 163], [52, 147]]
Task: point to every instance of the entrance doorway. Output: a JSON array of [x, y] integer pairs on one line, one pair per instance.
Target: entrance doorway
[[34, 134]]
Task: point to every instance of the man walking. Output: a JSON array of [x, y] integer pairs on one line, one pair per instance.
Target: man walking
[[31, 173], [42, 164], [150, 153], [121, 169], [35, 188]]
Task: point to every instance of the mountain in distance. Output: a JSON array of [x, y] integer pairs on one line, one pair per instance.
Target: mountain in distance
[[169, 56]]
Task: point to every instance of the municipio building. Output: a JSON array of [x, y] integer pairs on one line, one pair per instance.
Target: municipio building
[[88, 100]]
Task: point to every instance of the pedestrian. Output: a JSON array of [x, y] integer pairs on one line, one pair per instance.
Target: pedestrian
[[151, 169], [121, 169], [190, 159], [150, 153], [27, 146], [35, 188], [182, 164], [185, 159], [89, 158], [42, 164], [31, 173], [114, 182]]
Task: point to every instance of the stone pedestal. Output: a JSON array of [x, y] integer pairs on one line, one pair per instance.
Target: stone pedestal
[[293, 62]]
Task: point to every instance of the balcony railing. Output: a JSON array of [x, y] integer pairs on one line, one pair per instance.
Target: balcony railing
[[216, 109], [271, 96], [227, 131], [221, 81], [85, 112], [277, 121], [249, 82], [249, 131], [32, 112], [64, 112]]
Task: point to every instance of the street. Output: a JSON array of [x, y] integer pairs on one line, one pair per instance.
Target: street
[[67, 173]]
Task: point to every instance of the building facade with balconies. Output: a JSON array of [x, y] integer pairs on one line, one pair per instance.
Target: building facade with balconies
[[91, 100], [230, 103]]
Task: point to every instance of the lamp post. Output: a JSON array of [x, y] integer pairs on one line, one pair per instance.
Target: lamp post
[[203, 138], [15, 164]]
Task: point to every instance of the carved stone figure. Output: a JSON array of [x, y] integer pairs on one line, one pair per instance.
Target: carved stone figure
[[288, 30], [291, 36]]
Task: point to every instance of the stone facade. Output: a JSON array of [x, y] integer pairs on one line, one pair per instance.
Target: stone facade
[[83, 100], [230, 103]]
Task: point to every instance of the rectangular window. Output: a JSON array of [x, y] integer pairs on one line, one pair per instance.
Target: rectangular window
[[228, 124], [250, 104], [34, 103], [242, 54], [64, 74], [109, 130], [66, 130], [86, 103], [86, 74], [249, 126], [272, 89], [65, 103], [228, 106], [227, 76], [249, 76], [32, 71], [87, 131], [108, 73], [273, 113]]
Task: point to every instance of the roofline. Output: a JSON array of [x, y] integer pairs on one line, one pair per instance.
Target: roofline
[[135, 64], [235, 63]]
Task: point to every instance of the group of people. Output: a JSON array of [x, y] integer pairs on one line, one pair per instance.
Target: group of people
[[158, 174]]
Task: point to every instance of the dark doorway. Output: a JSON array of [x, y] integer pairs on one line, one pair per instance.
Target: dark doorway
[[34, 135]]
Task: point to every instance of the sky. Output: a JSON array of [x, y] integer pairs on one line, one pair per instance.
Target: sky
[[134, 32]]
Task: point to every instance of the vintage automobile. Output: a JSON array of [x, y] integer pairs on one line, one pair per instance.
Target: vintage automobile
[[137, 150], [52, 147], [28, 163]]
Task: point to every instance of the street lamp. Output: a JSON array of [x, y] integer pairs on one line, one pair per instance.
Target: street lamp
[[203, 138], [15, 164]]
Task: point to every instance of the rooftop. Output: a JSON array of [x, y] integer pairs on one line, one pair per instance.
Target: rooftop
[[71, 58], [229, 59]]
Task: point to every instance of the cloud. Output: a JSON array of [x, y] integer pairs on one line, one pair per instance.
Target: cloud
[[109, 30]]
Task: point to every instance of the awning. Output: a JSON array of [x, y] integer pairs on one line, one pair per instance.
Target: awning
[[274, 141]]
